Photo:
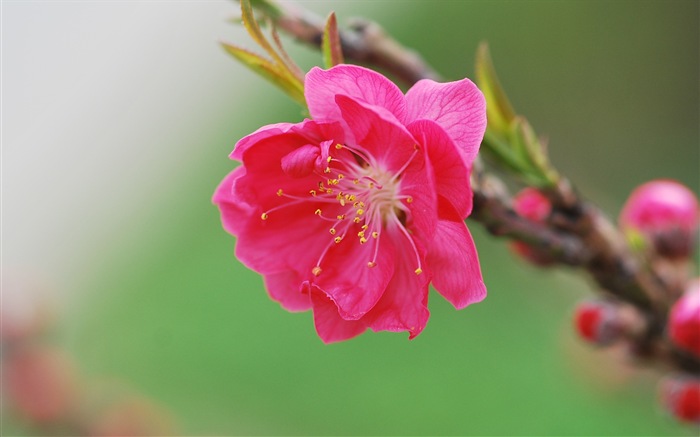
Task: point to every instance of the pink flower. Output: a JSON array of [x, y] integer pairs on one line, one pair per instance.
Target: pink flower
[[355, 212], [666, 213]]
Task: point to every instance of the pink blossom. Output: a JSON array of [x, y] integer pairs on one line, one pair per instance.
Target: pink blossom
[[354, 212]]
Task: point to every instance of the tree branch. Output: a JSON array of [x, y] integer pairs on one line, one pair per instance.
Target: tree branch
[[364, 41]]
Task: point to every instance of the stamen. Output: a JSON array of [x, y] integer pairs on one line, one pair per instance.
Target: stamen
[[316, 271], [264, 216], [405, 166], [332, 231], [279, 192], [371, 264], [403, 230]]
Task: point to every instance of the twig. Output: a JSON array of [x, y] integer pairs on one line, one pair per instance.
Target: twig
[[364, 41]]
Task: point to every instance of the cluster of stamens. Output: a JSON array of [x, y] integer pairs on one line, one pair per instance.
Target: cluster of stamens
[[368, 197]]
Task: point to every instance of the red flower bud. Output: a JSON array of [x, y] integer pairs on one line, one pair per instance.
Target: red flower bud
[[532, 205], [666, 214], [684, 320], [597, 322], [681, 397]]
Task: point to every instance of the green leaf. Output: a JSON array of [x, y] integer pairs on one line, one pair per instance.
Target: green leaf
[[253, 28], [330, 44], [268, 70], [499, 111]]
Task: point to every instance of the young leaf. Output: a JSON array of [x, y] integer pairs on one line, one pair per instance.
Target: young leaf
[[330, 44], [499, 111], [268, 70]]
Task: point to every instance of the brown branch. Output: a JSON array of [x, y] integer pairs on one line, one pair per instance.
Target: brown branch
[[364, 41]]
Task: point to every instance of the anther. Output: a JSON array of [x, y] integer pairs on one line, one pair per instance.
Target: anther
[[375, 234], [313, 193], [357, 220], [363, 240], [338, 239], [332, 231], [264, 216], [418, 271], [360, 211], [316, 271], [318, 211], [409, 199], [329, 159], [338, 146], [327, 170], [279, 192], [341, 216], [371, 264]]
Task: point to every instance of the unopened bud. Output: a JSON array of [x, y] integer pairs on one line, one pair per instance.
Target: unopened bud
[[532, 205], [597, 322], [680, 396], [664, 213], [684, 320]]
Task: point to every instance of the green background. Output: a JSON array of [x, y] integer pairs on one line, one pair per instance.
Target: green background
[[613, 84]]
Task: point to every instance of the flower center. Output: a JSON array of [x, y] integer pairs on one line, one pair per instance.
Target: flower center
[[359, 198]]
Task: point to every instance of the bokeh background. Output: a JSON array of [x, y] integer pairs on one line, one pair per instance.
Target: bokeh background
[[117, 119]]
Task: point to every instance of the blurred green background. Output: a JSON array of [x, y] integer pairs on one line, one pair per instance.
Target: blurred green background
[[149, 291]]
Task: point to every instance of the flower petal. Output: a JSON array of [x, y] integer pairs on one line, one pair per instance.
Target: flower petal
[[378, 132], [291, 239], [451, 173], [329, 325], [459, 107], [321, 87], [348, 280], [234, 211], [285, 288], [453, 260], [263, 133], [404, 305]]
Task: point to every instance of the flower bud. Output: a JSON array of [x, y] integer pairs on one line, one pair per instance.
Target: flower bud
[[664, 213], [680, 396], [684, 320], [597, 322], [532, 205]]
